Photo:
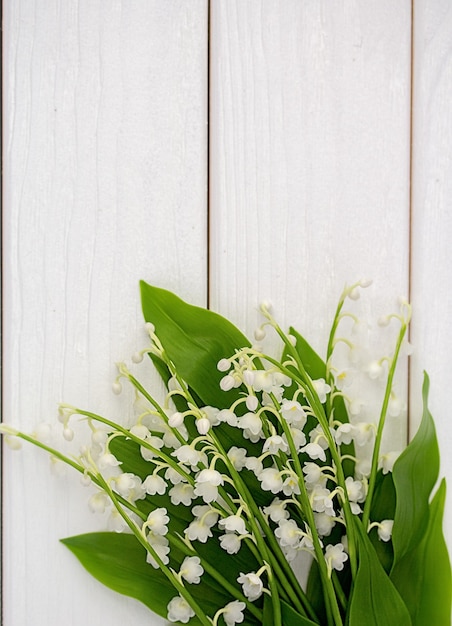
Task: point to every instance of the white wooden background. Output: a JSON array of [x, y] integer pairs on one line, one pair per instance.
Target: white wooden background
[[328, 157]]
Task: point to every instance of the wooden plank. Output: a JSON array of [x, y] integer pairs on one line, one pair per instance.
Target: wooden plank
[[432, 222], [310, 106], [106, 148]]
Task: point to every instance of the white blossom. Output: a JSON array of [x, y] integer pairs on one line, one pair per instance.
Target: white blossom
[[160, 545], [288, 533], [174, 476], [237, 456], [228, 416], [252, 585], [179, 610], [254, 465], [230, 542], [228, 382], [98, 502], [335, 556], [356, 489], [275, 444], [252, 423], [291, 485], [129, 486], [233, 523], [313, 474], [271, 480], [277, 510], [191, 569], [384, 529], [189, 455], [207, 483], [153, 484], [293, 413], [224, 365], [200, 528], [155, 442], [344, 433], [321, 500], [233, 613], [251, 403], [324, 523], [321, 388], [314, 451], [387, 461], [318, 436], [140, 431], [298, 438], [176, 419], [363, 433], [157, 521], [182, 493], [116, 522], [396, 406]]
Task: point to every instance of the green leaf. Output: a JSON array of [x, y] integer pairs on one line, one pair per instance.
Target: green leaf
[[195, 339], [423, 577], [374, 599], [314, 591], [290, 617], [383, 508], [415, 474], [119, 562]]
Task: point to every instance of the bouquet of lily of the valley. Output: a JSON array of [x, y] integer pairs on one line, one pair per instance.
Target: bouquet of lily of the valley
[[250, 471]]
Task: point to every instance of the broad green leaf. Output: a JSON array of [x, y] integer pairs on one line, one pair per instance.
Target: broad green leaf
[[289, 616], [423, 577], [119, 562], [383, 508], [314, 591], [415, 474], [195, 339], [374, 599]]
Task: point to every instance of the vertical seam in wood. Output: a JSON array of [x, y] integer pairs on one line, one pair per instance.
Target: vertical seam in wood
[[2, 334], [410, 204], [208, 256]]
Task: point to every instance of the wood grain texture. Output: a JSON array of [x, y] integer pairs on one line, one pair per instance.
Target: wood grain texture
[[310, 110], [432, 222], [105, 139]]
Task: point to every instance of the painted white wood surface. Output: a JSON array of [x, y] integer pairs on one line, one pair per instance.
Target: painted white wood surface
[[310, 109], [106, 146], [105, 138], [432, 223]]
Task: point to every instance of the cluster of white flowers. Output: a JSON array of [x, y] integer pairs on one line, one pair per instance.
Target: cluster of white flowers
[[289, 438]]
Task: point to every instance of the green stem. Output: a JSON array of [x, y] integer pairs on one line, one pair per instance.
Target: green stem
[[311, 396], [328, 589], [200, 614], [380, 428], [141, 442], [212, 571], [274, 556]]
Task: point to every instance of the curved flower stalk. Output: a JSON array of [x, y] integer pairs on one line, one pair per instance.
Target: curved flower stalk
[[248, 467]]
